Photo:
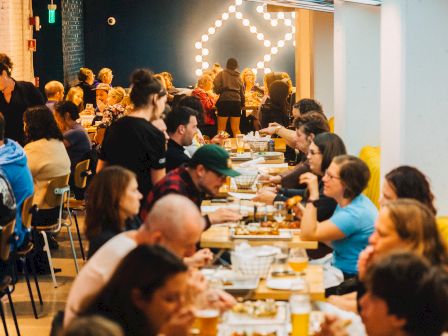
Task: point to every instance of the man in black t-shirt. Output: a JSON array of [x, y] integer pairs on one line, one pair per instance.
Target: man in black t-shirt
[[182, 125], [134, 143]]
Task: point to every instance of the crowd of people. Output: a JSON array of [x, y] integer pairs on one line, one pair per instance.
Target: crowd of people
[[159, 159]]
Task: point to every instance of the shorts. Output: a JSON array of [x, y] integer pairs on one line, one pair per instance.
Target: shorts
[[229, 108]]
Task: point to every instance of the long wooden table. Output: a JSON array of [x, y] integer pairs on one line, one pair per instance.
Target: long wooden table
[[219, 237]]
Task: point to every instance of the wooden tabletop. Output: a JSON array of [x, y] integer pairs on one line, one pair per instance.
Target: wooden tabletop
[[279, 144], [219, 237], [314, 275]]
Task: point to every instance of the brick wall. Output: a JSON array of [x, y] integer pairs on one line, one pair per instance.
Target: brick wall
[[72, 38], [14, 33]]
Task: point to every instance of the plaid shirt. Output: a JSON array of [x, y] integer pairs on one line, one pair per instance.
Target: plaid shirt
[[177, 181]]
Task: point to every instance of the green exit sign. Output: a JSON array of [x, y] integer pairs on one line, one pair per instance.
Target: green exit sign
[[52, 13]]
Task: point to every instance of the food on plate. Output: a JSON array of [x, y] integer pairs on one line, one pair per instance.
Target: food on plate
[[293, 201], [255, 230], [227, 282], [257, 309], [224, 134], [255, 333], [281, 225]]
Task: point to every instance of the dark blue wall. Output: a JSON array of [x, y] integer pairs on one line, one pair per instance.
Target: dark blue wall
[[160, 35]]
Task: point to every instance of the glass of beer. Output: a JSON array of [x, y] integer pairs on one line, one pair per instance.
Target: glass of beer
[[300, 308], [206, 323], [298, 259], [227, 144], [240, 143]]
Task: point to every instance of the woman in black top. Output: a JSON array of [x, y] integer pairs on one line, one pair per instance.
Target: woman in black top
[[86, 79], [276, 107], [15, 98], [132, 141], [112, 206]]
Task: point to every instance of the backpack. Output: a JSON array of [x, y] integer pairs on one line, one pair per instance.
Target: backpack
[[7, 202]]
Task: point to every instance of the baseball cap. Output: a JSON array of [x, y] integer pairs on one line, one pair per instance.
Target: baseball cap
[[102, 86], [214, 158]]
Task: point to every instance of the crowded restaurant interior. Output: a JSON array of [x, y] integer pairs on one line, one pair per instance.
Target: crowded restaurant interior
[[223, 168]]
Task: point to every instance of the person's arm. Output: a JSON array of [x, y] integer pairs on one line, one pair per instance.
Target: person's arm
[[311, 229], [157, 175], [100, 165], [288, 135]]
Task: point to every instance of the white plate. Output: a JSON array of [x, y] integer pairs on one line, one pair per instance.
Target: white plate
[[239, 282], [231, 318], [285, 283]]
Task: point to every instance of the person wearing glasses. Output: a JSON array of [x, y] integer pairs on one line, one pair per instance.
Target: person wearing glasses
[[352, 223], [133, 141]]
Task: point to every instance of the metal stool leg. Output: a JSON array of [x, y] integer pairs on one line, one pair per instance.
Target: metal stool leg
[[13, 312], [36, 282], [79, 236], [2, 313], [50, 261], [72, 246], [30, 291]]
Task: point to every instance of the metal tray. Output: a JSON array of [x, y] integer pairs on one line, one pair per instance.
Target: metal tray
[[284, 234]]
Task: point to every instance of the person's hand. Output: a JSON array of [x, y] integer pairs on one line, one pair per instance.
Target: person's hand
[[180, 323], [197, 284], [218, 139], [364, 260], [101, 106], [312, 184], [265, 196], [217, 299], [223, 215], [199, 259], [271, 129], [334, 326]]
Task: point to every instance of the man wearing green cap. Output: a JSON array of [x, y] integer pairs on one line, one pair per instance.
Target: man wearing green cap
[[205, 174]]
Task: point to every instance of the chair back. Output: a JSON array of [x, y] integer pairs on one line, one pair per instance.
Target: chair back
[[81, 173], [5, 239], [99, 136], [53, 196], [442, 225], [331, 124], [372, 157], [27, 211]]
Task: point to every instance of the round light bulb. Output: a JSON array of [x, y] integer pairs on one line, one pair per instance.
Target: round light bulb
[[260, 9], [246, 22], [293, 29], [288, 36], [260, 65], [198, 58], [225, 16], [274, 23], [274, 50], [294, 43], [267, 43], [205, 65], [239, 15], [281, 43], [281, 15], [204, 38], [293, 15], [211, 30], [253, 29], [267, 70], [238, 2], [198, 72], [267, 16], [232, 9], [267, 58], [198, 45], [260, 36], [288, 22], [254, 70], [205, 51], [218, 23]]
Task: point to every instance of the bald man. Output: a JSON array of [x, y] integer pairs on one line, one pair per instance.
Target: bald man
[[178, 231], [54, 91]]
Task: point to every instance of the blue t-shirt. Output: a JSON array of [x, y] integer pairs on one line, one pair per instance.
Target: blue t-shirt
[[356, 221]]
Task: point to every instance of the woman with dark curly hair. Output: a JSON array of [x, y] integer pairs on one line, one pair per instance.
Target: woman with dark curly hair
[[15, 98]]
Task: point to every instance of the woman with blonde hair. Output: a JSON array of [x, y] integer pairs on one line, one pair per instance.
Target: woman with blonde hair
[[208, 101], [105, 76], [115, 108], [76, 96]]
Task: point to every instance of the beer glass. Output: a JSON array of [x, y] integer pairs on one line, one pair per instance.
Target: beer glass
[[279, 211], [206, 323], [240, 143], [300, 307], [298, 259], [227, 144]]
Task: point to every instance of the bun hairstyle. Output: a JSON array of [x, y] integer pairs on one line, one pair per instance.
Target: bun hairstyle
[[5, 64], [144, 84]]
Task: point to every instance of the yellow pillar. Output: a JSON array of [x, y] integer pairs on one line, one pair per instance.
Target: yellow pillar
[[304, 54]]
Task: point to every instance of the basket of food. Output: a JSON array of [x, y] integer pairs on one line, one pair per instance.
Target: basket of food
[[246, 180], [253, 260], [257, 145]]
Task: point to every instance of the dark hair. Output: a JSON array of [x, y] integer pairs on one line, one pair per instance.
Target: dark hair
[[5, 64], [409, 182], [40, 124], [312, 123], [103, 204], [330, 145], [278, 94], [177, 117], [195, 104], [67, 106], [354, 174], [416, 224], [93, 326], [144, 84], [306, 105], [412, 290], [2, 127], [232, 64], [146, 268]]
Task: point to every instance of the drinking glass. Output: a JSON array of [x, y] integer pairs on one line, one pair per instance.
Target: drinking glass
[[227, 144], [240, 143], [279, 211], [298, 259], [300, 307]]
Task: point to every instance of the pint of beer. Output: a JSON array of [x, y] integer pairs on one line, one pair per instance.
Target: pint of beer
[[240, 143], [206, 323], [300, 314], [298, 264]]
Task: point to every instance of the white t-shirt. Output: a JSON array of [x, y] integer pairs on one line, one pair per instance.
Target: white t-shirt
[[97, 272]]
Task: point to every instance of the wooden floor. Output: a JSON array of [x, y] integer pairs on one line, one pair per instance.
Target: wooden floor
[[54, 298]]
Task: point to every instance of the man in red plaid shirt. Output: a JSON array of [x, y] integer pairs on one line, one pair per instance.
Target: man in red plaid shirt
[[205, 174]]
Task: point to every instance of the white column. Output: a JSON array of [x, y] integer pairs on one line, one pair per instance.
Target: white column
[[414, 95], [323, 60], [357, 74]]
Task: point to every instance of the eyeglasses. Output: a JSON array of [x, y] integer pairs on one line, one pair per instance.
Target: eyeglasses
[[331, 177], [312, 152]]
